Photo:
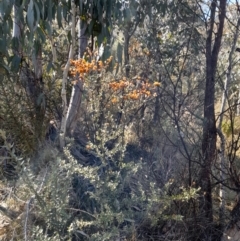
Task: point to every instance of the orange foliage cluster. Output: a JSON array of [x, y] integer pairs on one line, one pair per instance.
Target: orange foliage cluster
[[134, 95], [132, 92], [82, 66], [118, 85], [126, 88]]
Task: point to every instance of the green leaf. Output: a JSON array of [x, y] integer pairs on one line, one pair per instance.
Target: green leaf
[[106, 53], [15, 43], [5, 9], [40, 99], [37, 13], [50, 67], [119, 53], [6, 28], [41, 8], [3, 46], [59, 16], [29, 36], [37, 48], [100, 11], [15, 63], [54, 11], [30, 16], [2, 7], [81, 7], [50, 6], [127, 15], [40, 34], [164, 9], [69, 36], [100, 39], [65, 12], [47, 27], [90, 26], [3, 69], [109, 10]]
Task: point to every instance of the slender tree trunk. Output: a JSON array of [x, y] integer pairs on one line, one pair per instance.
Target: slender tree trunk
[[128, 32], [222, 158], [30, 80], [222, 168], [238, 102], [38, 94], [53, 47], [74, 105], [65, 76], [17, 29], [228, 74], [209, 125], [83, 37], [17, 34], [76, 96], [126, 51]]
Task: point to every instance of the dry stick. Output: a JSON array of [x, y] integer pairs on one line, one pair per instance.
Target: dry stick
[[222, 178], [28, 205]]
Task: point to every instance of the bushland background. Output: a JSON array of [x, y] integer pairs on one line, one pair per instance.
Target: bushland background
[[119, 120]]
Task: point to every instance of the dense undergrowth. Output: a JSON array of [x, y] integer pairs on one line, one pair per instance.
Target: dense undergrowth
[[114, 180]]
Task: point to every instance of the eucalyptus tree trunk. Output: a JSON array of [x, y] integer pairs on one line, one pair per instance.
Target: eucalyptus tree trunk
[[127, 37], [30, 80], [53, 47], [17, 34], [228, 74], [222, 158], [76, 96], [38, 93], [209, 138], [83, 37], [17, 29], [238, 102], [65, 77], [129, 30]]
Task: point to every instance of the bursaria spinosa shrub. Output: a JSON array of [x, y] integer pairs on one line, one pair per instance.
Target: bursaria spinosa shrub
[[113, 202]]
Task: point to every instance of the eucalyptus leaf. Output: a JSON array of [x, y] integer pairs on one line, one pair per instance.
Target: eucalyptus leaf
[[47, 27], [59, 16], [50, 6], [65, 12], [3, 69], [30, 15], [50, 67], [100, 11], [90, 26], [40, 34], [15, 63], [3, 45], [40, 99], [15, 43], [6, 9], [37, 14], [120, 53], [69, 36]]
